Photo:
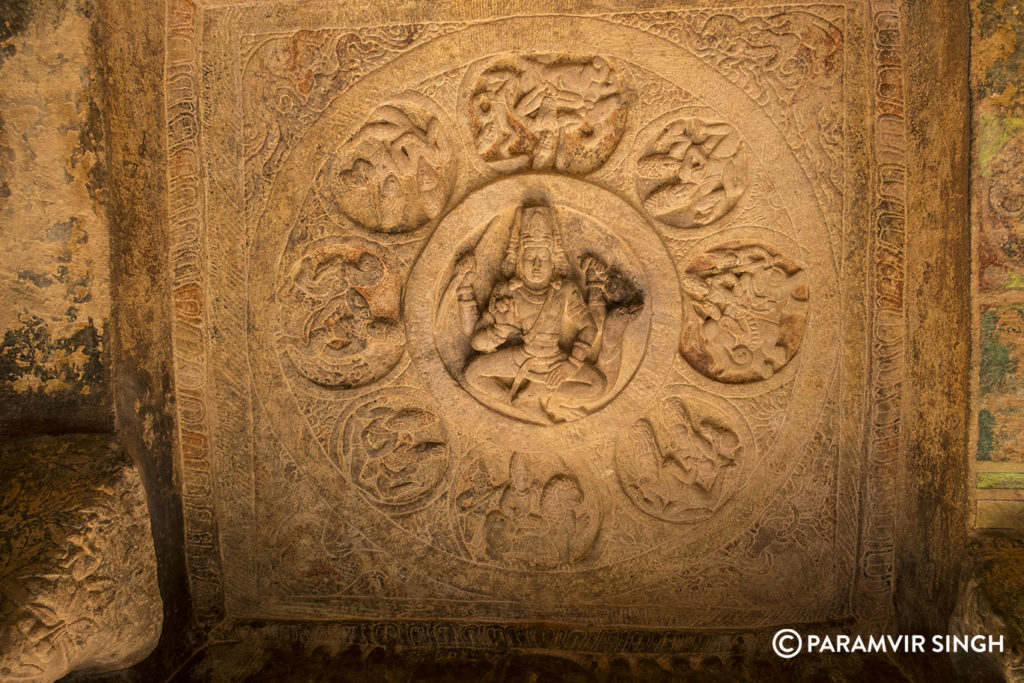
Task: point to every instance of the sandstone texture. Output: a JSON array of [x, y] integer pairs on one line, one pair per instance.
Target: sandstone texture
[[566, 340], [476, 321], [54, 256], [78, 584]]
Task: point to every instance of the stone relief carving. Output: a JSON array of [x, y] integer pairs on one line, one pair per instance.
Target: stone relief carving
[[546, 111], [680, 464], [542, 313], [889, 328], [541, 332], [690, 172], [521, 511], [396, 172], [532, 306], [78, 575], [745, 312], [292, 79], [305, 557], [396, 447], [793, 49], [340, 325], [790, 62], [306, 549]]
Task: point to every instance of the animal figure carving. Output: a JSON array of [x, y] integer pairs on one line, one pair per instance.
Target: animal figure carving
[[547, 112], [343, 328], [676, 466], [746, 308]]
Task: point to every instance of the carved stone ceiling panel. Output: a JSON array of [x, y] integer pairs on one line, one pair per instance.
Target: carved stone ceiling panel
[[538, 317]]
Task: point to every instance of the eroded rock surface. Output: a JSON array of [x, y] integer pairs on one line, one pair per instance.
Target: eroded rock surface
[[78, 585], [54, 234]]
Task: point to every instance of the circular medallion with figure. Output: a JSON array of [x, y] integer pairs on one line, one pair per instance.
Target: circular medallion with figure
[[539, 302]]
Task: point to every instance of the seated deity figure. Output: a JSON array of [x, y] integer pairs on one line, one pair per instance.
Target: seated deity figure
[[534, 521], [535, 338]]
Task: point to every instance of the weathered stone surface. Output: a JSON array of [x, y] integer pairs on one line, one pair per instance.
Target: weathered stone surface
[[997, 58], [931, 486], [998, 122], [564, 327], [992, 601], [286, 652], [477, 320], [54, 257], [77, 570], [130, 49]]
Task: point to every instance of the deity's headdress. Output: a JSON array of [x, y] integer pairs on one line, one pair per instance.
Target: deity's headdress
[[518, 466], [528, 231]]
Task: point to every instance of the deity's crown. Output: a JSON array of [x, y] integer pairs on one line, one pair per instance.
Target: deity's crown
[[528, 232], [538, 232]]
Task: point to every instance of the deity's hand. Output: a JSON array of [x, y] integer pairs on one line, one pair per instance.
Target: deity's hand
[[594, 270], [500, 306], [465, 269]]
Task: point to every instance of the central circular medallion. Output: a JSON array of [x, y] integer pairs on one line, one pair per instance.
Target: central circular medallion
[[542, 304]]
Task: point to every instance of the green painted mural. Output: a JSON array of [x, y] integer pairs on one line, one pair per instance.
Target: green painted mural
[[998, 189]]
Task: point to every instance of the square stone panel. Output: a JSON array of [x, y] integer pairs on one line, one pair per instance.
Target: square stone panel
[[562, 317]]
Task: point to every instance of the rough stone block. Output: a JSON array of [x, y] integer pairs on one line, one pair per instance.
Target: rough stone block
[[78, 584]]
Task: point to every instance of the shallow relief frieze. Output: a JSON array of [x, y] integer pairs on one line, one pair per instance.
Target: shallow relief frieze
[[524, 312]]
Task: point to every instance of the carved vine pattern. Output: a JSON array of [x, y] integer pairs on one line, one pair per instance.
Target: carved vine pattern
[[789, 63], [319, 65], [294, 78]]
